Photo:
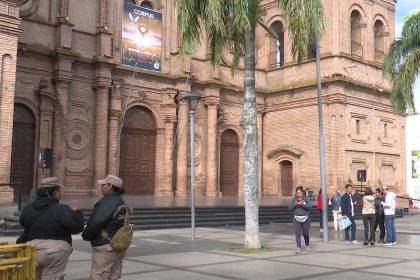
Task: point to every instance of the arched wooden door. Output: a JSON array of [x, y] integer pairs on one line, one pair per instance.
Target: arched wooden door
[[23, 150], [229, 158], [286, 169], [138, 151]]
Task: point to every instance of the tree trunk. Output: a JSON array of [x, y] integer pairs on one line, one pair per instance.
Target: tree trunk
[[251, 195]]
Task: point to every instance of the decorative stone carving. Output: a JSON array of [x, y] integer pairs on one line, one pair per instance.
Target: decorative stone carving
[[78, 139], [28, 8], [285, 149]]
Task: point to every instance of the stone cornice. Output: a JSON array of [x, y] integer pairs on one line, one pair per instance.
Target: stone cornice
[[335, 98]]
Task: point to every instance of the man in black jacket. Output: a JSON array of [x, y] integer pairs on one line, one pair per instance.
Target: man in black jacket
[[48, 225], [102, 226], [347, 209]]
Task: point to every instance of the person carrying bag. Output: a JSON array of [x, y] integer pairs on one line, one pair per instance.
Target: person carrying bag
[[108, 231], [301, 220]]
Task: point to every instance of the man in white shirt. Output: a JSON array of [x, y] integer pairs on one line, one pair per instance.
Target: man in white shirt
[[389, 209]]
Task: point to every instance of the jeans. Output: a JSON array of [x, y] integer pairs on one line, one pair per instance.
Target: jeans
[[380, 221], [391, 234], [352, 227], [369, 225], [302, 229]]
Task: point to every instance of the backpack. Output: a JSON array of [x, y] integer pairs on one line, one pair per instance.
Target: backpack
[[122, 239]]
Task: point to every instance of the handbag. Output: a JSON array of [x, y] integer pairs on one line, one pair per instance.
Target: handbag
[[122, 239], [301, 219]]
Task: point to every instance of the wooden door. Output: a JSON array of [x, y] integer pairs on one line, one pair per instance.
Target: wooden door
[[138, 152], [229, 158], [286, 178], [23, 150]]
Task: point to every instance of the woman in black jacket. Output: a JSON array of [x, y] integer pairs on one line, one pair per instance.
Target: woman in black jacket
[[301, 220], [380, 216], [48, 225]]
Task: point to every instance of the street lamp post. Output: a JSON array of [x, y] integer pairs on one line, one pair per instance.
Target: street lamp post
[[193, 98], [321, 146]]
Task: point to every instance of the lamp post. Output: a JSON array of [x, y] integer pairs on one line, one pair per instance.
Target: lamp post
[[193, 98], [321, 146]]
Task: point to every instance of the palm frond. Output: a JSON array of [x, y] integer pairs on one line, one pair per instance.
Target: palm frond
[[223, 23], [189, 14], [304, 20], [402, 64], [402, 96]]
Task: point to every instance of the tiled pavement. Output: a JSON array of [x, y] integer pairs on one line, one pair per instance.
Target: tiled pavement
[[171, 254]]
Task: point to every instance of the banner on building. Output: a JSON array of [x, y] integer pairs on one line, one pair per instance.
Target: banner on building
[[141, 37], [415, 164]]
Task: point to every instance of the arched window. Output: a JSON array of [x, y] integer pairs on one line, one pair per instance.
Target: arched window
[[277, 45], [356, 34], [147, 5], [378, 30]]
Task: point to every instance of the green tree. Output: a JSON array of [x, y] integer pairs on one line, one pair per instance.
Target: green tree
[[229, 26], [402, 64]]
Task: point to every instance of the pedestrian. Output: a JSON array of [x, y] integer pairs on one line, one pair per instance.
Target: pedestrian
[[48, 225], [106, 218], [336, 207], [347, 208], [389, 211], [379, 213], [319, 207], [301, 206], [368, 212]]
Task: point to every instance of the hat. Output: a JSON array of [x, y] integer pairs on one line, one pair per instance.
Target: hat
[[50, 182], [111, 179]]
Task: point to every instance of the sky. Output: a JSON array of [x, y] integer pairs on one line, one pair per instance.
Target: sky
[[404, 8]]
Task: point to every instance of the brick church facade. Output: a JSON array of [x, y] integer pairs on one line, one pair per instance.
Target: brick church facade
[[63, 86]]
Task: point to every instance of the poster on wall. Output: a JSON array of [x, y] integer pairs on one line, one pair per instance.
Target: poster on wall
[[141, 37], [415, 164]]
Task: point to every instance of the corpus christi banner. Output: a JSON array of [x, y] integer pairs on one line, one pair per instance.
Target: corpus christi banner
[[141, 37]]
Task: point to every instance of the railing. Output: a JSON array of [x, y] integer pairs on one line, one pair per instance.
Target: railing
[[17, 261]]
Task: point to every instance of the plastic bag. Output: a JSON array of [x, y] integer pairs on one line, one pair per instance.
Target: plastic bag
[[343, 222]]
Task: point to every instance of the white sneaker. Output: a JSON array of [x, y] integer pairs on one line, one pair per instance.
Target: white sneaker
[[348, 242], [355, 242], [394, 243], [321, 230], [388, 244]]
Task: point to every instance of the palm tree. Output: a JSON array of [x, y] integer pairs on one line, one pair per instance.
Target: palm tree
[[402, 64], [229, 26]]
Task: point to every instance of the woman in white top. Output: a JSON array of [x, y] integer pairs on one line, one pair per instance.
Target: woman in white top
[[368, 212]]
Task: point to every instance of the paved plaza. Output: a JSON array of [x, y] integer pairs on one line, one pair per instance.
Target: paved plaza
[[171, 254]]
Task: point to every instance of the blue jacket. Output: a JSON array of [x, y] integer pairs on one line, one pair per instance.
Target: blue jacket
[[346, 205], [336, 202]]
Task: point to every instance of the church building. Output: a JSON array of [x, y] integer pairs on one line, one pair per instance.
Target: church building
[[99, 84]]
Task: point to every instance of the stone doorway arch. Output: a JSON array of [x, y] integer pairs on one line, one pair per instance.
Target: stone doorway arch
[[138, 151]]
